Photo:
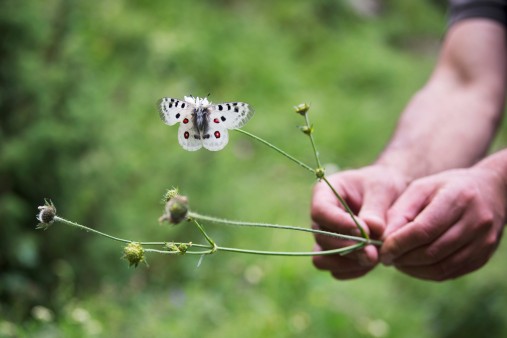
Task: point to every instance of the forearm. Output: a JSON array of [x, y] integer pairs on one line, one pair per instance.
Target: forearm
[[452, 120]]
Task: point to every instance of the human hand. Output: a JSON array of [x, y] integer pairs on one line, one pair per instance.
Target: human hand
[[446, 225], [369, 192]]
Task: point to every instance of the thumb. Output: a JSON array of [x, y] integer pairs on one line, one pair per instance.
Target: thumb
[[413, 200], [374, 208]]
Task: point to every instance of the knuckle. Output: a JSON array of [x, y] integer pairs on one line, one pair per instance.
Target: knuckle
[[391, 213], [433, 254], [422, 234], [491, 241], [466, 195], [486, 219]]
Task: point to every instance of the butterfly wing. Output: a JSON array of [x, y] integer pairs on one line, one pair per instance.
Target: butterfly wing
[[173, 110], [188, 136], [230, 115], [215, 138], [221, 117]]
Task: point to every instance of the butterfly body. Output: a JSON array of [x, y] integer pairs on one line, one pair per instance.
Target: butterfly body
[[203, 124]]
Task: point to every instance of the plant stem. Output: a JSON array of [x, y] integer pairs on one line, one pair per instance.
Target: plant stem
[[88, 229], [208, 238], [212, 247], [340, 251], [316, 153], [82, 227], [345, 205], [272, 146], [195, 215], [189, 252]]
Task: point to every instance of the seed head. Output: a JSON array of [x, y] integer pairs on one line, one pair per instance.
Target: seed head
[[180, 248], [308, 130], [320, 173], [176, 210], [302, 108], [46, 215], [134, 253], [170, 193]]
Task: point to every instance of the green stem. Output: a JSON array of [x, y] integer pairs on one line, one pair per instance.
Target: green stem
[[87, 229], [340, 251], [212, 247], [82, 227], [346, 206], [195, 215], [308, 125], [208, 238], [189, 252], [272, 146]]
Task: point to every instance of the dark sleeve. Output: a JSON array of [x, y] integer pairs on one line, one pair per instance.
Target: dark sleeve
[[489, 9]]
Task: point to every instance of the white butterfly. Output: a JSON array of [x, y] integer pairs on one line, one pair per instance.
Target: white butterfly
[[203, 124]]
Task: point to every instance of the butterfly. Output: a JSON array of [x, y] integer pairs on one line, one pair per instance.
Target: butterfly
[[203, 124]]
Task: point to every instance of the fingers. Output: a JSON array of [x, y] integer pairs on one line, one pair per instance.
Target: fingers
[[456, 231], [408, 206], [465, 260], [343, 267], [436, 218], [326, 242], [371, 191], [376, 201], [327, 212]]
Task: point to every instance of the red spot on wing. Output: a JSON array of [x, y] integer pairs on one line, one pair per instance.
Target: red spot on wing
[[186, 135], [217, 134], [185, 120], [216, 120]]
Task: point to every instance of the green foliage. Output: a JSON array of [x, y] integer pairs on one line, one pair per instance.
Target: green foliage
[[78, 124]]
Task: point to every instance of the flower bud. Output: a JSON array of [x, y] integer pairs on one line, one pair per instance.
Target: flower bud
[[178, 248], [320, 172], [302, 108], [46, 215], [134, 253], [170, 193], [307, 130], [176, 210], [183, 247]]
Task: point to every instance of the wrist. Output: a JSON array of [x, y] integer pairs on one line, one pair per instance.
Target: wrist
[[394, 168], [404, 160], [497, 165]]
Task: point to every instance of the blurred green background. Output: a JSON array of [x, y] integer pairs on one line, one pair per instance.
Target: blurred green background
[[78, 124]]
